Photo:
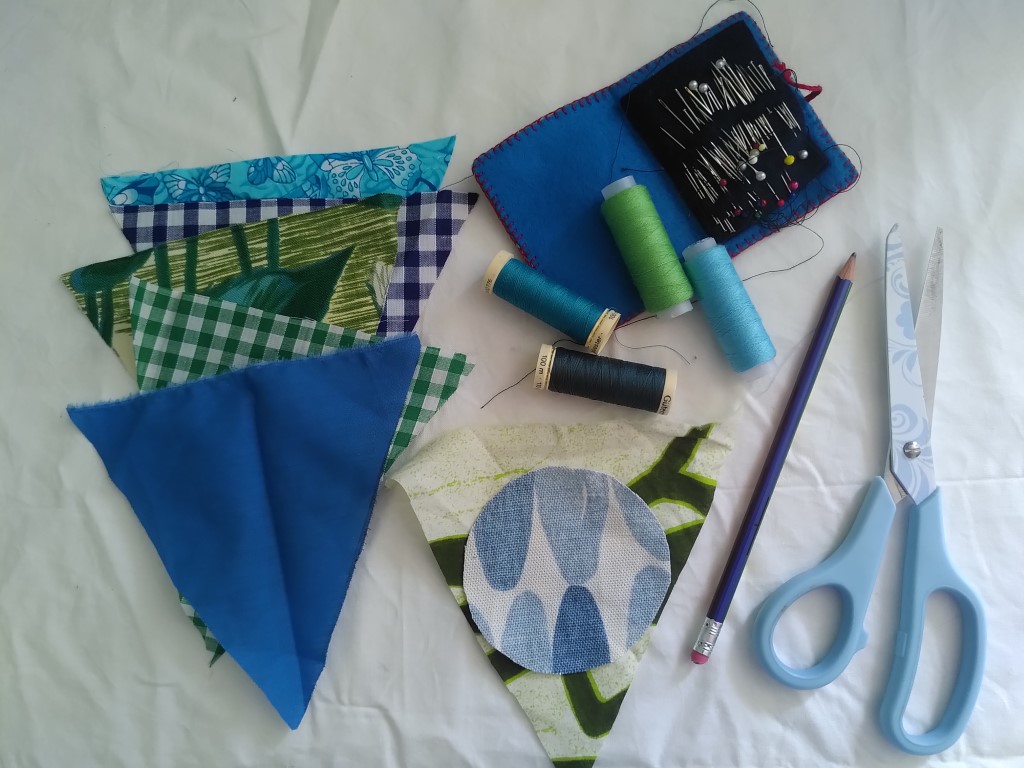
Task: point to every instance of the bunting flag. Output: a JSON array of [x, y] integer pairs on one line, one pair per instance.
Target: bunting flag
[[180, 337], [459, 475], [256, 489], [319, 265], [352, 175], [428, 224]]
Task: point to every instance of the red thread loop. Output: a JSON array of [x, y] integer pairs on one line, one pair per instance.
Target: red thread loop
[[790, 77]]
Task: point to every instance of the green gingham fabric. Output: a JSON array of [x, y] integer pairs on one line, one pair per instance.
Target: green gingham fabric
[[179, 337], [212, 645]]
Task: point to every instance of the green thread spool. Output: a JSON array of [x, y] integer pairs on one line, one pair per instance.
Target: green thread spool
[[646, 248]]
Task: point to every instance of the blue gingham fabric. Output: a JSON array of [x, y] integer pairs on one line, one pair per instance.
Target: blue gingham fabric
[[427, 226], [145, 226]]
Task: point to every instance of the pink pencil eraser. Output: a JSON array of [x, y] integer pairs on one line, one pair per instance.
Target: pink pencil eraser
[[698, 658]]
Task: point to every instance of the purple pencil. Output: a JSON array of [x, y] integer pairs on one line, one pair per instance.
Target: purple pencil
[[772, 468]]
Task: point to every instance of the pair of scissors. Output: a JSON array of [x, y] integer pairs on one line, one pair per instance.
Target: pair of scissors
[[908, 479]]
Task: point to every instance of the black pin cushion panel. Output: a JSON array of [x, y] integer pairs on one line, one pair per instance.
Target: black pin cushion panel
[[649, 117]]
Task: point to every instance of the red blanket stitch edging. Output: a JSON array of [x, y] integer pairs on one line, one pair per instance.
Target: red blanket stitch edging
[[734, 247]]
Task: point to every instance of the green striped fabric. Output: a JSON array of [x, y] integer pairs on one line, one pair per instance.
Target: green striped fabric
[[319, 265]]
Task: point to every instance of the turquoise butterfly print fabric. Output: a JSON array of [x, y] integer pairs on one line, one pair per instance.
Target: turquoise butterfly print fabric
[[351, 175]]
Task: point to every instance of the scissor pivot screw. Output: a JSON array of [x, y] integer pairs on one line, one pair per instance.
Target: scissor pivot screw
[[912, 449]]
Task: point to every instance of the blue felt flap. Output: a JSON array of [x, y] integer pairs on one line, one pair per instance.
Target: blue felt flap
[[545, 184]]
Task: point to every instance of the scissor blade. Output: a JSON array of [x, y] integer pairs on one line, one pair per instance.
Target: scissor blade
[[929, 324], [910, 432]]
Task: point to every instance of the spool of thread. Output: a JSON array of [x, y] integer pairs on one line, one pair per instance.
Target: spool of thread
[[601, 378], [582, 320], [727, 305], [646, 248]]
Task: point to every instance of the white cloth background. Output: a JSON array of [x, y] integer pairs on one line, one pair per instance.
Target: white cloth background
[[97, 664]]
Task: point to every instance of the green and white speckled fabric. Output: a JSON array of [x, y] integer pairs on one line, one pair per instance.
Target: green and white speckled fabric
[[451, 480]]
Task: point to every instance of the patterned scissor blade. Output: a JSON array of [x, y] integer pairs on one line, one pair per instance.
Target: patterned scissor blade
[[928, 326], [908, 417]]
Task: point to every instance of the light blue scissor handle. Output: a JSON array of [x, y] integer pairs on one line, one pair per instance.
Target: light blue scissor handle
[[926, 570], [851, 570]]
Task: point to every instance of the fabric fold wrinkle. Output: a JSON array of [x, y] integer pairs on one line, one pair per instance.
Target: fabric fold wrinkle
[[257, 502]]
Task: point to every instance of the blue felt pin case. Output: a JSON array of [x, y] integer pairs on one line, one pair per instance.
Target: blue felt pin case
[[545, 183]]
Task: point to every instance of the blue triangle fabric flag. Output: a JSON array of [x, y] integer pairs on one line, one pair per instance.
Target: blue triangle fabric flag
[[256, 488]]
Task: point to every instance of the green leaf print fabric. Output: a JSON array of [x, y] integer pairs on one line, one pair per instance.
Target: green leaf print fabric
[[319, 265], [453, 478]]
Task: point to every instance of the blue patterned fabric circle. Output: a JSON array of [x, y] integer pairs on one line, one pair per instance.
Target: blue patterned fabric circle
[[565, 569]]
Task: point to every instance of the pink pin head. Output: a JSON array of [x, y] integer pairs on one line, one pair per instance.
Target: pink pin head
[[780, 202], [723, 183], [764, 203], [794, 185]]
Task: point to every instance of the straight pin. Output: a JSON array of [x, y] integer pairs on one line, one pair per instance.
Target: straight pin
[[788, 159], [760, 76], [730, 147], [726, 96], [725, 161], [698, 100], [742, 80], [709, 93], [754, 79], [711, 190], [696, 187], [784, 117], [796, 123], [730, 76]]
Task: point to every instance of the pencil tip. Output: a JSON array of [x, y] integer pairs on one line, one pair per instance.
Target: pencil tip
[[846, 273]]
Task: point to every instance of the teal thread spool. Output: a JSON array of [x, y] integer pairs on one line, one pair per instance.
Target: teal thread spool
[[619, 382], [646, 248], [734, 320], [582, 320]]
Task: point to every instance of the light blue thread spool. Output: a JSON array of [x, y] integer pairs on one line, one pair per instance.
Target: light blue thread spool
[[579, 318], [728, 308]]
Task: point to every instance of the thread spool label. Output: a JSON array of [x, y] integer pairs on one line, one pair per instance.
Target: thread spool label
[[494, 269], [668, 392], [545, 361], [602, 330]]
